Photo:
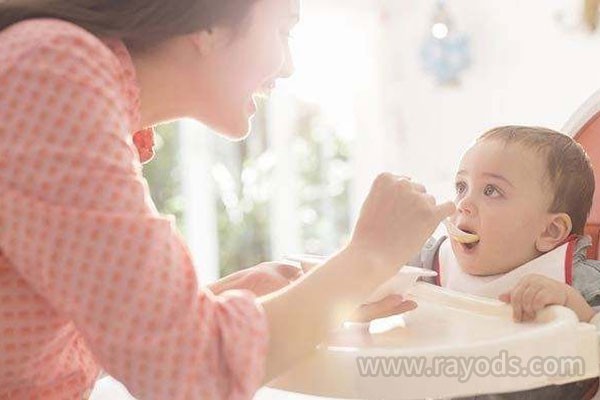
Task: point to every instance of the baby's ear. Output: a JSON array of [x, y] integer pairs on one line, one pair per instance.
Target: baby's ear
[[557, 231]]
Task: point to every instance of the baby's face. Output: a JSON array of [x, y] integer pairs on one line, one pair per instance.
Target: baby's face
[[501, 196]]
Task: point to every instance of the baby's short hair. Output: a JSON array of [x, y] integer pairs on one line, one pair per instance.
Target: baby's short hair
[[569, 171]]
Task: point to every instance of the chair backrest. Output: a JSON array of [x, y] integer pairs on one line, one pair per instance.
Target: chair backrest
[[584, 127]]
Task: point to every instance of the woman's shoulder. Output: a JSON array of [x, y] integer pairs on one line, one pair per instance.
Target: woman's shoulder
[[47, 37]]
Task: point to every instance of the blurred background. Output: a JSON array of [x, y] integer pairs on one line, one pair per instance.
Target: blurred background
[[397, 85]]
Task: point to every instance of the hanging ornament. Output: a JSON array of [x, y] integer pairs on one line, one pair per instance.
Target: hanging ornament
[[445, 52], [590, 14], [578, 16]]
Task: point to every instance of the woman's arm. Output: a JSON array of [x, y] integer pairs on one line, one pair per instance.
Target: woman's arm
[[261, 279], [396, 219], [301, 316]]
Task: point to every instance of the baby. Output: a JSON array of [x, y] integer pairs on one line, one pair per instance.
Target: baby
[[526, 193]]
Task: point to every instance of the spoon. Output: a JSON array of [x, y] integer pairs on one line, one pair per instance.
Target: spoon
[[458, 235]]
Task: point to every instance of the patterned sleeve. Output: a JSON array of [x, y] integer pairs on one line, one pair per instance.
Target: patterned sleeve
[[78, 223]]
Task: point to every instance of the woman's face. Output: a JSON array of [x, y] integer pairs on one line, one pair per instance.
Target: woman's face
[[244, 65]]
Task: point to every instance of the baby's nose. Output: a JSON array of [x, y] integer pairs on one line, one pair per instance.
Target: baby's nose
[[465, 206]]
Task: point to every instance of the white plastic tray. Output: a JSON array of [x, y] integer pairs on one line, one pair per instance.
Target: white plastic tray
[[465, 328]]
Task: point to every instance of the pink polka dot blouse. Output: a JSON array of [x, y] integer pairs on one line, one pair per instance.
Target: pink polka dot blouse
[[91, 277]]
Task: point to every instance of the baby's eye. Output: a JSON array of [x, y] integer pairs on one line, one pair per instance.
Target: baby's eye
[[461, 187], [491, 191]]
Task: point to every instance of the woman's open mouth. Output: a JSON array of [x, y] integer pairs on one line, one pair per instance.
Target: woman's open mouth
[[257, 98]]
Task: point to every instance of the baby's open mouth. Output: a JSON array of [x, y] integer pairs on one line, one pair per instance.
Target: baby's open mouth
[[461, 234], [469, 244]]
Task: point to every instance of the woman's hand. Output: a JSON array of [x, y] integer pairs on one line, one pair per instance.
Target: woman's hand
[[268, 277], [261, 279], [396, 219], [535, 292], [388, 306]]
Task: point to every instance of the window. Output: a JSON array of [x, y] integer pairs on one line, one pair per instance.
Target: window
[[284, 189]]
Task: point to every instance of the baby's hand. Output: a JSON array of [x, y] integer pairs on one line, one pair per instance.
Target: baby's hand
[[534, 292]]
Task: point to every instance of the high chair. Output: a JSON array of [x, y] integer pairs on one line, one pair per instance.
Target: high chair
[[465, 326], [584, 127]]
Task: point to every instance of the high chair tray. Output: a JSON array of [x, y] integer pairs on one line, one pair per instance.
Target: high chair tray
[[452, 345]]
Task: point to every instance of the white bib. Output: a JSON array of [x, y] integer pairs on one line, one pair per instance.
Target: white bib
[[556, 264]]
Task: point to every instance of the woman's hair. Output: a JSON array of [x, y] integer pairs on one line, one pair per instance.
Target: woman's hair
[[139, 23]]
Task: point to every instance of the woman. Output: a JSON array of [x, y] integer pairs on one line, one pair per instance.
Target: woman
[[90, 275]]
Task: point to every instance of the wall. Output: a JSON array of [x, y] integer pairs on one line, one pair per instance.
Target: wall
[[526, 69]]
